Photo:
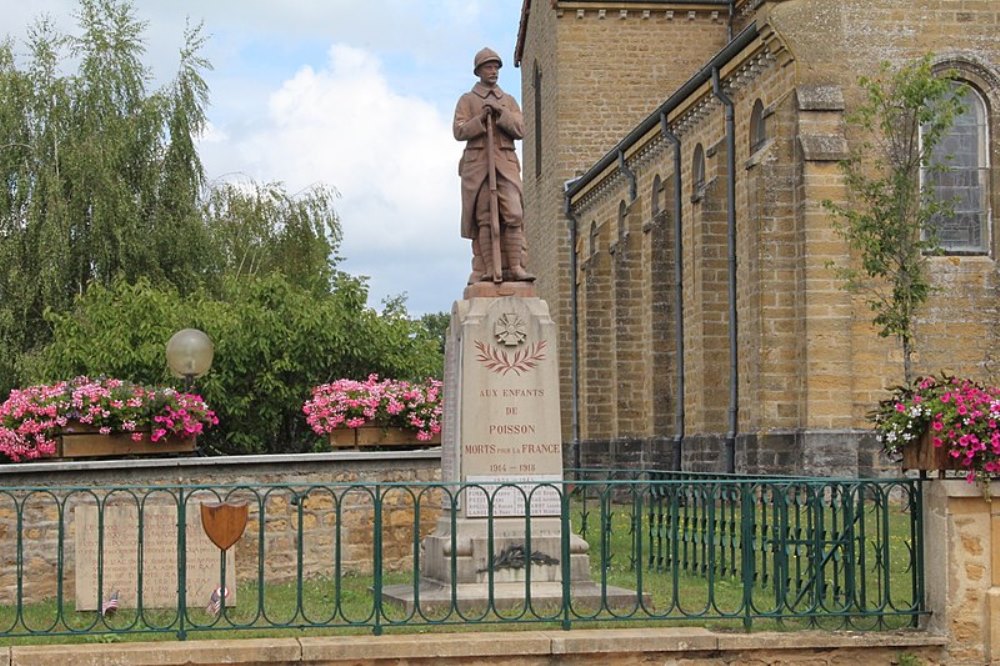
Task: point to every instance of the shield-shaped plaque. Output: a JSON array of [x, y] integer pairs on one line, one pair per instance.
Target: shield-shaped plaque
[[224, 523]]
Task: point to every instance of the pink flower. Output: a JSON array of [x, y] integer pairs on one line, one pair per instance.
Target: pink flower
[[36, 414]]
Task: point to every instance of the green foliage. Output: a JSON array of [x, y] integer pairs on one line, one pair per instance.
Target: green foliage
[[905, 114], [103, 183], [435, 326], [110, 241], [274, 341]]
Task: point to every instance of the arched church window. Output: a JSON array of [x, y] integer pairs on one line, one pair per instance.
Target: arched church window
[[698, 172], [959, 173], [758, 130]]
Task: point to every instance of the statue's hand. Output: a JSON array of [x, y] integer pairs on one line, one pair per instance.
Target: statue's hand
[[488, 110]]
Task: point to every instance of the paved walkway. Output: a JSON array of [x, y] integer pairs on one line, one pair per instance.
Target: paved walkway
[[584, 646]]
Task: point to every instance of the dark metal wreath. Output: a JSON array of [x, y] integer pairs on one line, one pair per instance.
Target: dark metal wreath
[[513, 557]]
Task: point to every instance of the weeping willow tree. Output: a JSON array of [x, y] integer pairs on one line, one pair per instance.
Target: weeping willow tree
[[100, 174], [260, 229]]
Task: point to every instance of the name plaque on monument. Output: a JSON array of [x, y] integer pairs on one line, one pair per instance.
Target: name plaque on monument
[[509, 494], [159, 562]]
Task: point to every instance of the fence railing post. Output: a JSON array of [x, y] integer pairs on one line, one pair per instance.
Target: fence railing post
[[916, 495], [748, 560], [377, 564], [564, 537], [181, 564]]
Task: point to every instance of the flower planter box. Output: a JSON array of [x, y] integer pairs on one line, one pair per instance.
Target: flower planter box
[[83, 441], [925, 456], [377, 436]]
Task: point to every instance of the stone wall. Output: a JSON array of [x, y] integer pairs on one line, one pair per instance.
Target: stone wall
[[690, 646], [281, 491], [962, 560]]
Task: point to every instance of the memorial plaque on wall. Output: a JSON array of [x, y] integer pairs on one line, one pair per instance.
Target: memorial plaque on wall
[[120, 561]]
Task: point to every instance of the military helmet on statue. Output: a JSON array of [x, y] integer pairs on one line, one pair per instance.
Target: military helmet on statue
[[484, 56]]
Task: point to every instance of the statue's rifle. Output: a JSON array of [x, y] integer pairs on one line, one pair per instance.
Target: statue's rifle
[[494, 203]]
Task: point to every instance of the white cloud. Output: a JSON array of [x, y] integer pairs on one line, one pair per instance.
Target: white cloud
[[391, 156]]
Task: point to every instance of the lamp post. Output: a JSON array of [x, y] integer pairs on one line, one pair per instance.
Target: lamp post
[[189, 354]]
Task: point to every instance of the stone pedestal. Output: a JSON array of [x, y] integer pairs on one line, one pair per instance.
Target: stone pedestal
[[502, 433], [962, 568]]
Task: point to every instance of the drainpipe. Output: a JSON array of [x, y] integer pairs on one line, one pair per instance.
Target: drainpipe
[[575, 344], [734, 390], [732, 18], [633, 190], [678, 293]]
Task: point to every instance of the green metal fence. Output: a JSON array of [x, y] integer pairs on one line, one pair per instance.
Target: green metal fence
[[743, 552], [818, 552]]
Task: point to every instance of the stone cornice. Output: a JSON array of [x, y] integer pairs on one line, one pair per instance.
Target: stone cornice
[[686, 115]]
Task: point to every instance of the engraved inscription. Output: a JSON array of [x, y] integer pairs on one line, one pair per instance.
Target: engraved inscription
[[118, 560], [510, 494]]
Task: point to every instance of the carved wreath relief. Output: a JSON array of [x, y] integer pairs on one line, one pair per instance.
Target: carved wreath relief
[[510, 330]]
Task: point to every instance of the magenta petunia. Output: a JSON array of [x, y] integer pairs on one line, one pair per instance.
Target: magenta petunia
[[962, 415]]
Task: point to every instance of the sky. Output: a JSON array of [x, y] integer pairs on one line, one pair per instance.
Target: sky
[[354, 94]]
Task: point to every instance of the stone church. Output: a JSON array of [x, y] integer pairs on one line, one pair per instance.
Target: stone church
[[675, 159]]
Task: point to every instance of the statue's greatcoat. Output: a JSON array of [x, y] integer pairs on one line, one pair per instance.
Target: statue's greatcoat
[[470, 127]]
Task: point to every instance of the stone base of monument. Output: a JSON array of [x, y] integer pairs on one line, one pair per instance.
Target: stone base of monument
[[473, 589], [468, 555], [586, 598], [501, 464], [466, 560]]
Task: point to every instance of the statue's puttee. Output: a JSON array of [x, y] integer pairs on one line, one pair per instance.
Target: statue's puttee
[[489, 120]]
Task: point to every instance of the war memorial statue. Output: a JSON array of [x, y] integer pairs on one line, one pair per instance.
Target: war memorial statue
[[499, 539], [489, 121]]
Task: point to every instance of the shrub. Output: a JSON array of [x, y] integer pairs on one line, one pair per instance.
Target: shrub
[[274, 341], [347, 403]]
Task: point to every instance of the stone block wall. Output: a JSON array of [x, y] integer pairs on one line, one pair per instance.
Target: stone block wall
[[281, 492], [602, 70], [962, 561]]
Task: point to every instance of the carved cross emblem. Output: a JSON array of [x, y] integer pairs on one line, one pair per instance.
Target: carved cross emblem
[[510, 330]]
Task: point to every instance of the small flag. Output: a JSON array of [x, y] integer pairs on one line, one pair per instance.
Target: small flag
[[110, 605], [214, 606]]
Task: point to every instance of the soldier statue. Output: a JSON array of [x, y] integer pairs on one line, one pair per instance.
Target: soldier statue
[[489, 120]]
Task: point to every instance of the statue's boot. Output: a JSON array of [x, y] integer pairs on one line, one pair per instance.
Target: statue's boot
[[486, 254], [477, 263], [513, 243]]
